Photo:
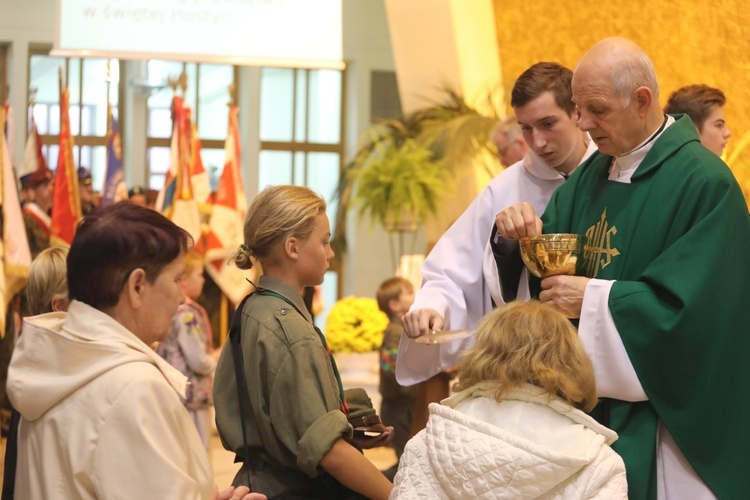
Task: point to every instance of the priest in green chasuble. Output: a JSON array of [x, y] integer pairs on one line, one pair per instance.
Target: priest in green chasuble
[[664, 311]]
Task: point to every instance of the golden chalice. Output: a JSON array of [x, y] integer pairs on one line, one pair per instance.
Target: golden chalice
[[553, 254]]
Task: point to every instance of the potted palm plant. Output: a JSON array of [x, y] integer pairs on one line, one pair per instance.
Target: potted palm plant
[[399, 186], [415, 158]]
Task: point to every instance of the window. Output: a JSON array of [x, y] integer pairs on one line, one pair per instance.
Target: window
[[93, 85], [207, 95], [300, 140]]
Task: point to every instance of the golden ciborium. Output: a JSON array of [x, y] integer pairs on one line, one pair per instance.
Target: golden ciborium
[[553, 254]]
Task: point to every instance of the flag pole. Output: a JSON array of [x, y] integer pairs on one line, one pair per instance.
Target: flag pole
[[223, 319], [224, 307], [108, 85]]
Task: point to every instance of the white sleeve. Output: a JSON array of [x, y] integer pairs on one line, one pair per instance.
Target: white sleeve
[[454, 287], [417, 362], [615, 375]]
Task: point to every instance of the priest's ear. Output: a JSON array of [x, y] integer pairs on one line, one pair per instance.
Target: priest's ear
[[644, 98]]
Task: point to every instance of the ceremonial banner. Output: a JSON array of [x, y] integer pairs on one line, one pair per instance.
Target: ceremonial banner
[[198, 175], [33, 158], [14, 247], [66, 202], [176, 199], [114, 183], [227, 219]]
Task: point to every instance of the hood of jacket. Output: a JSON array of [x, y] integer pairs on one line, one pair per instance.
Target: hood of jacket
[[460, 454], [59, 353]]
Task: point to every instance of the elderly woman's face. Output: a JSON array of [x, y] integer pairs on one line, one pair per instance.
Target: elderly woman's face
[[160, 302]]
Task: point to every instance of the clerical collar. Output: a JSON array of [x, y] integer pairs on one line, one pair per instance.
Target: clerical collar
[[624, 166]]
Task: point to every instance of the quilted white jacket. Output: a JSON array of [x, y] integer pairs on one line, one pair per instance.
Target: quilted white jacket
[[521, 447]]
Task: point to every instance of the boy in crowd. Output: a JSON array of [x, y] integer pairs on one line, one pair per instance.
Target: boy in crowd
[[705, 107], [395, 296]]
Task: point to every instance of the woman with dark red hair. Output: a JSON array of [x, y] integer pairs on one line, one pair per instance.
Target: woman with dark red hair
[[101, 411]]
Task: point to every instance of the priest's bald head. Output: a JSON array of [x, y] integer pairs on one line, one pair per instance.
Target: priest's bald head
[[617, 93]]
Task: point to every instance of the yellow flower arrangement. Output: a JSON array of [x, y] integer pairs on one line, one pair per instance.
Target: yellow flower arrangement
[[355, 325]]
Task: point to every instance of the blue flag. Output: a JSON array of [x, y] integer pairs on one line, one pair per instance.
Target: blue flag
[[114, 183]]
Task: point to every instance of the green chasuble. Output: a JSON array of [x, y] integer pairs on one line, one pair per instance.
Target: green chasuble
[[676, 240]]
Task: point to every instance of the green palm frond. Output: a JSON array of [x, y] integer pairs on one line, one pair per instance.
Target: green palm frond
[[438, 137], [398, 178]]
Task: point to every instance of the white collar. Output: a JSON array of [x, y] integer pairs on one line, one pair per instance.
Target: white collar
[[624, 166], [536, 167], [533, 394]]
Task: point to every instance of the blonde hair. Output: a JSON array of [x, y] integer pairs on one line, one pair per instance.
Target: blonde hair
[[47, 280], [530, 343], [277, 213], [193, 261], [390, 289]]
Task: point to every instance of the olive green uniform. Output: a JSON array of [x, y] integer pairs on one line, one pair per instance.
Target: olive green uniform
[[295, 415]]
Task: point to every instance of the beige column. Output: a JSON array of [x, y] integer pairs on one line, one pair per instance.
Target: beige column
[[443, 43], [439, 44]]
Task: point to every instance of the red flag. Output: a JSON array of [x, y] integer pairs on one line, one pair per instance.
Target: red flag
[[227, 219], [176, 199], [198, 175], [66, 202], [15, 256]]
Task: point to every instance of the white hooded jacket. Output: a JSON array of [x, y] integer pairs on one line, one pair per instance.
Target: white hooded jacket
[[524, 446], [101, 414]]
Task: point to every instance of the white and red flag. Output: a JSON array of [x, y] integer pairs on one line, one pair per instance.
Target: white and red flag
[[176, 200], [15, 256], [227, 219]]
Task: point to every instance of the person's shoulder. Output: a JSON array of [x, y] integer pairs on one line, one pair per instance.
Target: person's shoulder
[[188, 318], [694, 158], [137, 372], [512, 171], [132, 383], [269, 315]]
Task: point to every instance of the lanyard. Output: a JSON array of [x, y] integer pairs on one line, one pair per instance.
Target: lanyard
[[342, 400]]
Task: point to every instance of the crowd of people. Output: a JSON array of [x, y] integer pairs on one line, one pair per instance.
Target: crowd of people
[[596, 386]]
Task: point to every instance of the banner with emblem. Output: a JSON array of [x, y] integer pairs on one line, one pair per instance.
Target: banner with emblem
[[176, 200], [66, 202], [227, 219], [15, 256], [115, 188]]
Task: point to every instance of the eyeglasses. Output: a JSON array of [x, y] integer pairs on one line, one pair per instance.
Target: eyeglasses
[[502, 151]]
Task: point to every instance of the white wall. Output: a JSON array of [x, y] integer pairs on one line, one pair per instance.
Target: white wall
[[23, 22], [367, 47]]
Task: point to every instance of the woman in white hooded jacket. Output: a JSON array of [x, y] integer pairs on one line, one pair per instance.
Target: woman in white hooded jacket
[[101, 416], [517, 428]]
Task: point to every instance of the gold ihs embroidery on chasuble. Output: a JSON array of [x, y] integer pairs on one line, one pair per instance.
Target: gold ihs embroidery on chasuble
[[599, 251]]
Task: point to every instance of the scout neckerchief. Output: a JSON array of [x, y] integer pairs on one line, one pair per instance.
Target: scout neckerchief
[[342, 400]]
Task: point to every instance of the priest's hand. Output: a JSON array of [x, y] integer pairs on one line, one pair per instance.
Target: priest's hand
[[421, 322], [564, 293], [518, 221]]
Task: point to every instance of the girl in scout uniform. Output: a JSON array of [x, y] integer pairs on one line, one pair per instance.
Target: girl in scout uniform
[[289, 424]]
